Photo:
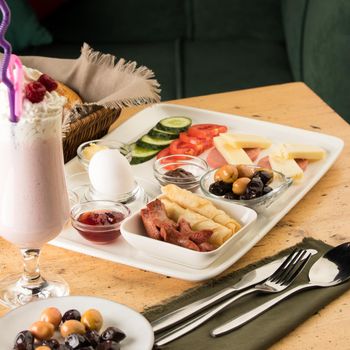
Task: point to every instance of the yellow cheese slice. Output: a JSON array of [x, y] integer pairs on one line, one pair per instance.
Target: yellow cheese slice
[[288, 167], [246, 140], [293, 151], [231, 154]]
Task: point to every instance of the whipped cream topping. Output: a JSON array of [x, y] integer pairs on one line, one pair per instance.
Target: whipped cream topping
[[49, 107]]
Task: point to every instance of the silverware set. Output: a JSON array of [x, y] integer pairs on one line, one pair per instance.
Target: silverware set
[[329, 270]]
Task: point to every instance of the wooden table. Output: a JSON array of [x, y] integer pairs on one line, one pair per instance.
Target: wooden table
[[322, 214]]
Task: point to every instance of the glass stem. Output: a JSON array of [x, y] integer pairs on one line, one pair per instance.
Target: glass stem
[[31, 278]]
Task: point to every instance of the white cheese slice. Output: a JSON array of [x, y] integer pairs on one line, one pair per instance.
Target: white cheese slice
[[288, 167], [246, 140], [231, 154], [293, 151]]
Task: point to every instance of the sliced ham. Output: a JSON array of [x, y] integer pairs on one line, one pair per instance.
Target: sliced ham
[[303, 163], [215, 159], [264, 162], [253, 153]]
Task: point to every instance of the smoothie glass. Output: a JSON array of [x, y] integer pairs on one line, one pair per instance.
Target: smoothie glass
[[34, 204]]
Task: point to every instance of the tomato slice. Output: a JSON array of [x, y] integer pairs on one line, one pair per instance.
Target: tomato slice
[[180, 147], [204, 130], [163, 153], [199, 143], [203, 142]]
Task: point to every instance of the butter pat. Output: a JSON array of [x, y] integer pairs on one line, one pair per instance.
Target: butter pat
[[294, 151], [288, 167], [89, 151], [231, 154], [246, 140]]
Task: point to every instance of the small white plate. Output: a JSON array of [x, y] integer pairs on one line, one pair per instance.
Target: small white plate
[[133, 232], [139, 333]]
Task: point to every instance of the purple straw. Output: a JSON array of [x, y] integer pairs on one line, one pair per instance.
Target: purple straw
[[6, 14]]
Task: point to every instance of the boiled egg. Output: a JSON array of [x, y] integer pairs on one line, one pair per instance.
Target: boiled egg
[[110, 173]]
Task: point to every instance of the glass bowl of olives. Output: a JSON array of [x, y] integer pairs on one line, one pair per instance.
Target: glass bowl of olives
[[249, 185]]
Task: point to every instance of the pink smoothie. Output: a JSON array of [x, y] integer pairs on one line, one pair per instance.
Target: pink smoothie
[[33, 197]]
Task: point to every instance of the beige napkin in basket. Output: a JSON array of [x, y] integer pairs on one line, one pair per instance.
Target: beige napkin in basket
[[100, 80]]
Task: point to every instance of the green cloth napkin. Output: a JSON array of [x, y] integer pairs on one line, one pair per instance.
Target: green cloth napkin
[[267, 328]]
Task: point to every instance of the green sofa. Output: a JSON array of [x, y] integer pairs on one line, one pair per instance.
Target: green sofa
[[198, 47]]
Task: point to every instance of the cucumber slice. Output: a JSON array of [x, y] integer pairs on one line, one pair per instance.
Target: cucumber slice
[[174, 124], [140, 154], [154, 143], [161, 134]]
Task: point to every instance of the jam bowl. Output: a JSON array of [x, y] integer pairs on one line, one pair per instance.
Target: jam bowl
[[278, 184], [184, 171], [88, 149], [99, 221]]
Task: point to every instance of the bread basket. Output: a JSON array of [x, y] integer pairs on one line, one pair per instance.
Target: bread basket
[[90, 127]]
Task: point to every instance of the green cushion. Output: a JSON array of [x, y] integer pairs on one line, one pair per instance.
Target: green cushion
[[25, 30], [212, 67], [118, 21], [294, 15], [160, 57], [326, 56], [222, 19]]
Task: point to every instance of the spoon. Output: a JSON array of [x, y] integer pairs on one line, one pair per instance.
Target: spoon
[[329, 270]]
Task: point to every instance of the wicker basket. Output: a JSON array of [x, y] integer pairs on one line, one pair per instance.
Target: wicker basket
[[91, 127]]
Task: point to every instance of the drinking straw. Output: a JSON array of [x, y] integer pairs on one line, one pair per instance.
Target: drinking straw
[[6, 18], [17, 81]]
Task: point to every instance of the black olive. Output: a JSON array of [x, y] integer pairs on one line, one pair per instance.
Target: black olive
[[76, 341], [267, 189], [93, 337], [254, 188], [265, 176], [64, 347], [219, 188], [108, 345], [112, 333], [24, 341], [71, 315], [51, 343], [231, 195]]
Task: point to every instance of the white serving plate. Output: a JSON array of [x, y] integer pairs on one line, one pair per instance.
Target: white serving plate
[[134, 233], [140, 123], [139, 333]]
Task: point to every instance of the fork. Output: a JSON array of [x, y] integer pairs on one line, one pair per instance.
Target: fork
[[278, 281]]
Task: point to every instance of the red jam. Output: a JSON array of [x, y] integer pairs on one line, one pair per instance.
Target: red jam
[[104, 225]]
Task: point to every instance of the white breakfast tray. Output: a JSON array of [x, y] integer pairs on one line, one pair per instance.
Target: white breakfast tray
[[139, 124]]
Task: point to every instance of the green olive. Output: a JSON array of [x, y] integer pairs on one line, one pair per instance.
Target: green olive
[[72, 326], [92, 319], [42, 330], [51, 315], [227, 173], [245, 171], [240, 185]]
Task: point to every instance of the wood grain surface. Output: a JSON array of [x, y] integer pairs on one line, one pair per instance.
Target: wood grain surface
[[322, 214]]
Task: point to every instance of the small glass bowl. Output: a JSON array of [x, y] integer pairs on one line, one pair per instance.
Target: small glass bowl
[[280, 184], [98, 234], [195, 165], [123, 148]]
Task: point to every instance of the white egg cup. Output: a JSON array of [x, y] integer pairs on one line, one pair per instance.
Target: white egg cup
[[80, 185]]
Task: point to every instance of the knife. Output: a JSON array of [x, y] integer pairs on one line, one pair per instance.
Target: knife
[[251, 278]]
